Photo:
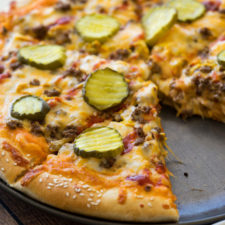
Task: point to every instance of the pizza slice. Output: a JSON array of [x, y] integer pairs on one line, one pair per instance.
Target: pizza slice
[[184, 57], [113, 166]]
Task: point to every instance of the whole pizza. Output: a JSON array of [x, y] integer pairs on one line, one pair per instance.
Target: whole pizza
[[80, 84]]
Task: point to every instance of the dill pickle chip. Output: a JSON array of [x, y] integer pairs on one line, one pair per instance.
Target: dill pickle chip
[[221, 58], [97, 27], [187, 10], [157, 21], [30, 107], [99, 142], [105, 89], [47, 57]]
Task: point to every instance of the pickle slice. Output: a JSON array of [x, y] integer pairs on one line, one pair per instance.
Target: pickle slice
[[105, 88], [30, 107], [47, 57], [157, 21], [98, 142], [187, 10], [97, 27], [221, 58]]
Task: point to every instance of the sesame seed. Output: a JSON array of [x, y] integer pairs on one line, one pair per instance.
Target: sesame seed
[[90, 199], [40, 180], [151, 198], [47, 175], [101, 190], [81, 194], [55, 180], [3, 153], [77, 190], [91, 195], [67, 194], [149, 204], [85, 186], [59, 185], [74, 196], [70, 179], [89, 189], [65, 186], [7, 160], [139, 196], [50, 184], [98, 201], [28, 155], [15, 164], [88, 205], [99, 195], [2, 169], [49, 187]]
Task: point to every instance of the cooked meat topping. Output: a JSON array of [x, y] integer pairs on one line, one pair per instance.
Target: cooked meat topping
[[140, 132], [139, 141], [35, 82], [120, 54], [2, 68], [154, 67], [36, 129], [53, 131], [15, 65], [205, 32], [52, 93], [40, 32], [72, 72], [203, 53], [107, 163], [70, 132], [13, 124], [206, 69], [63, 6]]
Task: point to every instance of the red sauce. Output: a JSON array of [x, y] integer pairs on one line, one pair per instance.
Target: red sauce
[[122, 196], [94, 119], [61, 21], [97, 65], [31, 174], [212, 5], [54, 102], [140, 179], [16, 155], [128, 142], [3, 76], [160, 168]]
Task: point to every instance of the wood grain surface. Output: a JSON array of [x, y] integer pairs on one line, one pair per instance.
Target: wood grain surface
[[15, 212]]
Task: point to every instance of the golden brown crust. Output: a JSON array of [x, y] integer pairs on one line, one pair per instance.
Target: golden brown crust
[[78, 197]]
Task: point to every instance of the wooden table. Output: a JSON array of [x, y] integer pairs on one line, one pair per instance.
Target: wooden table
[[16, 212]]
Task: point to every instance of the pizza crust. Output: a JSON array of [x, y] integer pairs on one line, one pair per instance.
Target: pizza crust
[[71, 195]]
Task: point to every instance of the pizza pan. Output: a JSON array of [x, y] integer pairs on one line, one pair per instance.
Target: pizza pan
[[198, 182]]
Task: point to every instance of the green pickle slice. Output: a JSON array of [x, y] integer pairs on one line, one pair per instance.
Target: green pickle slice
[[221, 58], [47, 57], [187, 10], [97, 27], [105, 88], [157, 21], [99, 142], [30, 107]]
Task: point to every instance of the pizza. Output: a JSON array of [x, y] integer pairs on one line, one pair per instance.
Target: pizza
[[185, 61], [79, 124], [81, 83]]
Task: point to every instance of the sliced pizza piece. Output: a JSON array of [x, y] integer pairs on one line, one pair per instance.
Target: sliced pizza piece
[[114, 168], [183, 60]]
